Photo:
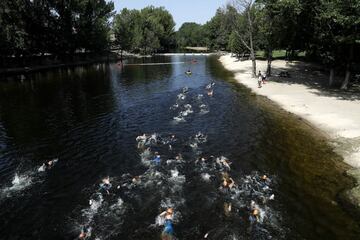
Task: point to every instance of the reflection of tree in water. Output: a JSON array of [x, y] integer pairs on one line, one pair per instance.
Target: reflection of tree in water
[[138, 75], [48, 103]]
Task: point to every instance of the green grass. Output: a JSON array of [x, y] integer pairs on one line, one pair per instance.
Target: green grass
[[277, 54]]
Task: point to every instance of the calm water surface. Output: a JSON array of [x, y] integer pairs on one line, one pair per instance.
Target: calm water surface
[[89, 117]]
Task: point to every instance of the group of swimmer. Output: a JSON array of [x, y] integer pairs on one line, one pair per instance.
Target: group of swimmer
[[148, 145], [145, 143]]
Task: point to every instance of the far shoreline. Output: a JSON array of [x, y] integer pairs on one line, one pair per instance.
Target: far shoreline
[[18, 71]]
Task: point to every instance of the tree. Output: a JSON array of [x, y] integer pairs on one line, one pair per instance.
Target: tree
[[217, 31], [246, 35], [338, 34], [125, 28], [91, 24], [235, 45], [191, 34]]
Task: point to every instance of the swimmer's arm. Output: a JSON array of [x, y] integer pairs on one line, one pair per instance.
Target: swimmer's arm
[[232, 183]]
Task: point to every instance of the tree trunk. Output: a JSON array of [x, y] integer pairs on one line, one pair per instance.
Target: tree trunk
[[252, 52], [269, 60], [331, 77], [345, 83]]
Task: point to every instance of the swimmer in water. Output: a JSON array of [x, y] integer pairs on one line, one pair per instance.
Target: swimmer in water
[[225, 162], [106, 185], [136, 180], [210, 93], [255, 212], [178, 157], [157, 160], [168, 214], [47, 165], [167, 233], [227, 184], [85, 233]]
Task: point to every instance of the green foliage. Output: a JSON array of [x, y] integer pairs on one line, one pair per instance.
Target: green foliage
[[146, 31], [58, 27], [191, 34], [219, 28]]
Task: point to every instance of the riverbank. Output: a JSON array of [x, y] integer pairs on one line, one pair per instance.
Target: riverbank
[[335, 114], [30, 68]]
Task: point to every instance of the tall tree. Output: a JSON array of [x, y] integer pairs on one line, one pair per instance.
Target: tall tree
[[338, 34], [246, 35], [125, 27]]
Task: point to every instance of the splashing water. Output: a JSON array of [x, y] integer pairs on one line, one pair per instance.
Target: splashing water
[[20, 182]]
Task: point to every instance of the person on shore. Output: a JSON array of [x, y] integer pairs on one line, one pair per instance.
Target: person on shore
[[259, 79], [263, 78]]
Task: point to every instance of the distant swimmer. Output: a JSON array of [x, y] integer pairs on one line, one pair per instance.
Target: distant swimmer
[[141, 138], [168, 232], [228, 183], [188, 72], [47, 165], [106, 185], [168, 214], [85, 233], [224, 162], [157, 159], [255, 212], [178, 157], [210, 85], [210, 93], [136, 180], [226, 186]]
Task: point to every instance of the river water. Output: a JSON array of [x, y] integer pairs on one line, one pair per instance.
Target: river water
[[89, 118]]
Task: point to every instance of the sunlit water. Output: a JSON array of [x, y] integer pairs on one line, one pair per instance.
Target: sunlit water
[[90, 119]]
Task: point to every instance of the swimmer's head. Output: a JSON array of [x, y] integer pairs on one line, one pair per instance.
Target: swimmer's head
[[255, 212], [264, 177], [169, 211]]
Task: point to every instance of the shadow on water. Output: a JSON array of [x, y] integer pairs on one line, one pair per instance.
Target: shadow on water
[[89, 117]]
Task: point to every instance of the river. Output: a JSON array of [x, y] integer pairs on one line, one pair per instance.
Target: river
[[89, 118]]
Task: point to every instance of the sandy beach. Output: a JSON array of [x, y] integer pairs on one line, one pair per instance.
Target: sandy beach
[[336, 116]]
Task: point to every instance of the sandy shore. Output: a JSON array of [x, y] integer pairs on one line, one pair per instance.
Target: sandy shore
[[339, 118]]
